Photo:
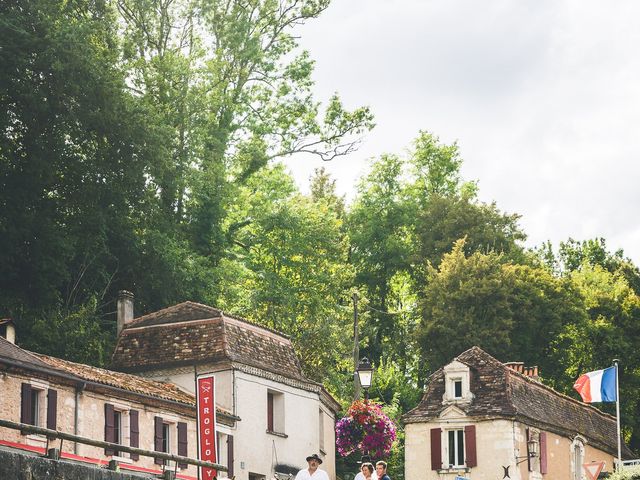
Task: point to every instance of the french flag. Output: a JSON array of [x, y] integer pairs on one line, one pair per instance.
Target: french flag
[[598, 386]]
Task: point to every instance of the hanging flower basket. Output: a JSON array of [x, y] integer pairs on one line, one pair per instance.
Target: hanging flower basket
[[365, 429]]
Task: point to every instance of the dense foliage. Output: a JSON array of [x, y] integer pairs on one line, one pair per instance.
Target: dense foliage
[[139, 149]]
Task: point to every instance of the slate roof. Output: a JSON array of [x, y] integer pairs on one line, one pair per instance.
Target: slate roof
[[190, 333], [125, 381], [81, 372], [502, 392], [12, 352]]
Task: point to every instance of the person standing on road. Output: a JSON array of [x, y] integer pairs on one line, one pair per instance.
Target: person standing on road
[[313, 472], [367, 470], [381, 470]]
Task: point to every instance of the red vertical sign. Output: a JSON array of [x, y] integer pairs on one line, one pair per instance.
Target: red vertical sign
[[206, 405]]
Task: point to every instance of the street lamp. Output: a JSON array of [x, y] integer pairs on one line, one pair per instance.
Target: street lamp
[[365, 375], [532, 451]]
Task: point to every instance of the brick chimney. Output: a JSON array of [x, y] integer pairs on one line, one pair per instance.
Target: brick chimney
[[519, 367], [125, 309], [8, 330]]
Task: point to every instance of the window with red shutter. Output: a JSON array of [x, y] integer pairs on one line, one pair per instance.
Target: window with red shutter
[[134, 431], [26, 408], [158, 439], [470, 445], [182, 442], [230, 455], [529, 462], [270, 412], [543, 452], [436, 449], [109, 427], [52, 409]]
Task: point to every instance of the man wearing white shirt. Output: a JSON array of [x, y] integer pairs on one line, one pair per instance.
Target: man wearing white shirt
[[313, 472]]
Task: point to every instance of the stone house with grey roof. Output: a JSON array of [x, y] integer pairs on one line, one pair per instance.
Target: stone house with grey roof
[[281, 416], [95, 404], [485, 420]]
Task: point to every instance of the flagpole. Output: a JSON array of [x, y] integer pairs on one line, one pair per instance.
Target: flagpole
[[615, 362]]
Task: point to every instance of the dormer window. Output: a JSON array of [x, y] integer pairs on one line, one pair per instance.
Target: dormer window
[[457, 388], [457, 383]]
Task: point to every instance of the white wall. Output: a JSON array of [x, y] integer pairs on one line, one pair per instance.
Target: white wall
[[259, 450], [255, 450]]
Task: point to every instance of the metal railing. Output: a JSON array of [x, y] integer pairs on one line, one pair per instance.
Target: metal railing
[[53, 434]]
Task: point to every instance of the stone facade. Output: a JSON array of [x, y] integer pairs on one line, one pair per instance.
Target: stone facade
[[79, 409], [477, 416]]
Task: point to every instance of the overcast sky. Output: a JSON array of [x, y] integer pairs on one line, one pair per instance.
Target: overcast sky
[[542, 96]]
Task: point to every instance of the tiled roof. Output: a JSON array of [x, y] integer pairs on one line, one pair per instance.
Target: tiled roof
[[12, 352], [502, 392], [125, 381], [191, 333], [183, 312]]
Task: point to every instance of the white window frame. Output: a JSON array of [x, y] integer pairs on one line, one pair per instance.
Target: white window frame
[[456, 433], [124, 430], [40, 419], [577, 471], [278, 411], [321, 430], [457, 372]]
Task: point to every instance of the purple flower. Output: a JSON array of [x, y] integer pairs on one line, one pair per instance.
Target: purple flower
[[366, 428]]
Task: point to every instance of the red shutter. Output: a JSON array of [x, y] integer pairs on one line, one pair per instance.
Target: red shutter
[[25, 413], [230, 455], [134, 427], [529, 465], [436, 449], [157, 438], [270, 412], [471, 458], [543, 452], [52, 409], [109, 427], [182, 442]]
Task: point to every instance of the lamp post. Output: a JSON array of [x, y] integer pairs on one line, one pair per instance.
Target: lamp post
[[365, 375], [532, 452]]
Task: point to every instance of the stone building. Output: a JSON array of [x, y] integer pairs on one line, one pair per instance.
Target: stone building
[[285, 416], [97, 404], [485, 420]]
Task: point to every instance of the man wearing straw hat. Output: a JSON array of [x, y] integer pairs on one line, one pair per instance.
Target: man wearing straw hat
[[313, 472]]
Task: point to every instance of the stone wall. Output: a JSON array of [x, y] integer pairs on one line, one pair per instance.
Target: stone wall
[[91, 421], [19, 466]]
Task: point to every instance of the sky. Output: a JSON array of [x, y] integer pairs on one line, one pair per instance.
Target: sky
[[542, 97]]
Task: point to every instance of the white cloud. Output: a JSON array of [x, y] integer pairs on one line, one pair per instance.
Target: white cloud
[[542, 97]]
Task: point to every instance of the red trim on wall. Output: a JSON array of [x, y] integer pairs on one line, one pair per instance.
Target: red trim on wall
[[89, 460]]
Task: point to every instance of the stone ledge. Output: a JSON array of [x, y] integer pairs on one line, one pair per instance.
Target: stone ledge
[[24, 466]]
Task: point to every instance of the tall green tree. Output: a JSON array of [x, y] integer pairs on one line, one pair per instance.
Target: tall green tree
[[73, 150], [230, 92], [290, 271]]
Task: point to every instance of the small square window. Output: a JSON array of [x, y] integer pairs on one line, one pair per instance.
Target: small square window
[[457, 388]]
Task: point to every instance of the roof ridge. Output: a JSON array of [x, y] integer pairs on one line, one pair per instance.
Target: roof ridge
[[523, 377], [172, 308], [28, 352], [255, 324], [533, 381]]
